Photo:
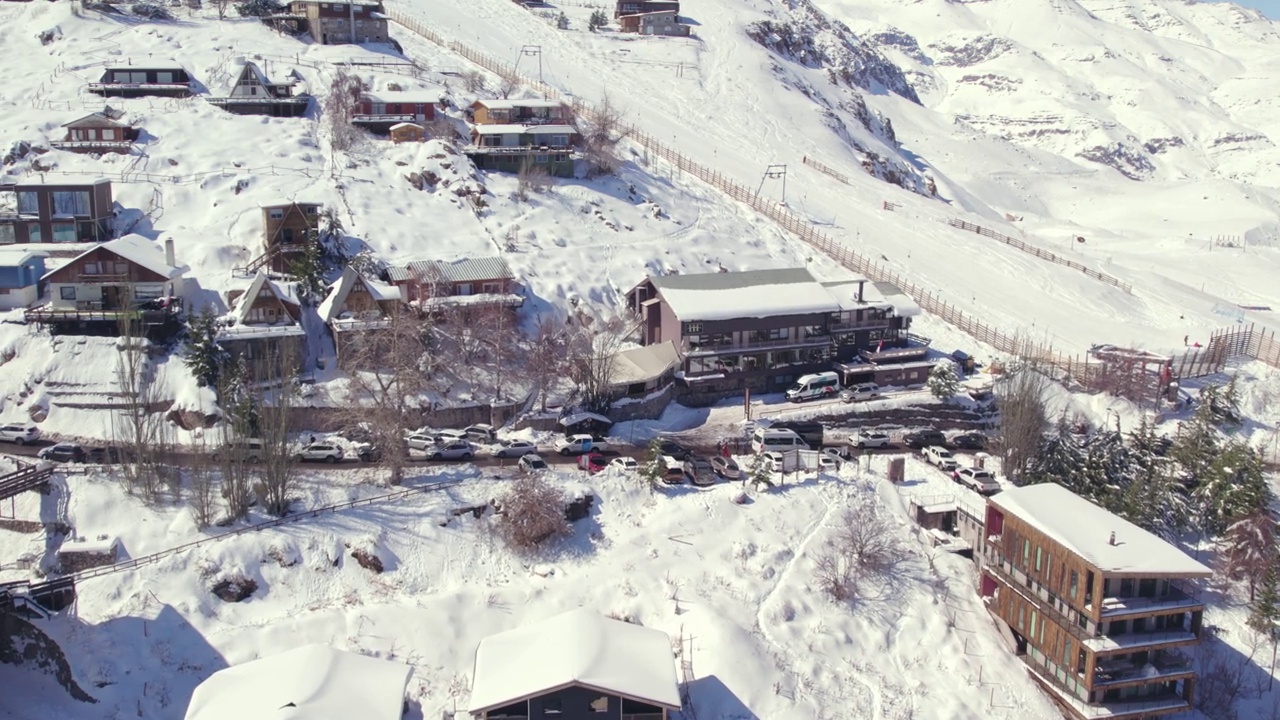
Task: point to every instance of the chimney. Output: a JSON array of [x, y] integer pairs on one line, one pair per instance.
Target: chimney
[[168, 253], [1113, 537], [864, 282]]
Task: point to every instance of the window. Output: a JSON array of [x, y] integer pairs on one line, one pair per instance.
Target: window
[[275, 214], [1022, 617], [462, 289], [28, 203], [1026, 552], [1119, 627], [541, 159], [492, 288], [692, 328], [7, 235], [64, 232], [71, 203], [108, 134], [1075, 584], [1038, 559], [67, 293], [164, 78], [552, 707], [600, 705], [121, 268], [89, 268], [33, 233], [559, 140], [1126, 587], [143, 293]]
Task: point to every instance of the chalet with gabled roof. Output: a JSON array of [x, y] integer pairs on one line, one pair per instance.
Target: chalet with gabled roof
[[254, 94], [513, 148], [378, 111], [286, 230], [355, 304], [98, 132], [658, 22], [264, 328], [131, 81], [129, 276], [467, 282], [520, 112], [341, 23]]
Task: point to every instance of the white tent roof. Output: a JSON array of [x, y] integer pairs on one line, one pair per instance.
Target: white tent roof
[[1085, 529], [579, 648], [312, 682]]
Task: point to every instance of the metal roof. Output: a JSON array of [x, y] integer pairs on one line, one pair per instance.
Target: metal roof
[[461, 270], [732, 280]]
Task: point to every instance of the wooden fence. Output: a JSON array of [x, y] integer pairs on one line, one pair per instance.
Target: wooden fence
[[826, 170], [1042, 254], [1079, 368]]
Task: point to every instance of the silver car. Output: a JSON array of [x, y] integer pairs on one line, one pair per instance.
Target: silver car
[[320, 452], [460, 450], [515, 449], [870, 439]]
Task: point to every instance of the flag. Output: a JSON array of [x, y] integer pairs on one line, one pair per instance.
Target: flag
[[880, 346]]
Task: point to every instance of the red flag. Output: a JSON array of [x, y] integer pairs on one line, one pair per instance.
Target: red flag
[[880, 346]]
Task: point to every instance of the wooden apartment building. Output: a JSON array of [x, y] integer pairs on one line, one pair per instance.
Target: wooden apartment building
[[1102, 612]]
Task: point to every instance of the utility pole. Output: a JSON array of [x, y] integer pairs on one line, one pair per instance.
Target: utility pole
[[531, 51], [774, 172]]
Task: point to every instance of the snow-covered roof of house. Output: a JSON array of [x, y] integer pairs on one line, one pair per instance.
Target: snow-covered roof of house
[[903, 305], [639, 365], [511, 104], [145, 68], [95, 119], [874, 294], [312, 682], [260, 282], [525, 129], [403, 96], [105, 544], [1085, 529], [15, 256], [750, 294], [139, 251], [461, 270], [333, 304], [406, 125], [579, 648]]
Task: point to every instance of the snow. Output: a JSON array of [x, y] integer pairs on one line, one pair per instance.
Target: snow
[[101, 545], [639, 365], [311, 682], [512, 104], [140, 251], [412, 97], [524, 129], [580, 647], [1086, 529], [721, 296], [16, 256]]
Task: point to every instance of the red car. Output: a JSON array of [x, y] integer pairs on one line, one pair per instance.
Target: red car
[[592, 462]]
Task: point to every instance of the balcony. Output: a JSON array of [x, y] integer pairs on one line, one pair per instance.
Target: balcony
[[726, 348], [1143, 707], [93, 145], [1178, 598], [1129, 642], [1164, 665], [104, 278], [515, 149], [383, 118], [859, 325]]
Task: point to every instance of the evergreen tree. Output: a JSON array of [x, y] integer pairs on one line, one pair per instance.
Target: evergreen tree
[[205, 357], [759, 472], [308, 268], [1264, 614], [1060, 460], [1251, 549], [332, 237], [236, 399], [598, 20], [1234, 485], [1153, 499], [654, 468], [943, 382], [562, 21]]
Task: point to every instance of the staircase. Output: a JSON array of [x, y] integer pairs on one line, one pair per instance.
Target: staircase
[[26, 478], [257, 263]]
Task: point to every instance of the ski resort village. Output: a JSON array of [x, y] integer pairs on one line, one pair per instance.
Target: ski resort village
[[639, 360]]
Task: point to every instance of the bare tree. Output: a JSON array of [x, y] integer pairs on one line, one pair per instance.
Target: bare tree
[[139, 429], [340, 107], [601, 130], [237, 453], [202, 497], [592, 351], [1021, 396], [508, 85], [531, 513], [473, 81], [1251, 549], [865, 549], [279, 461], [222, 6], [531, 179], [547, 356], [390, 368]]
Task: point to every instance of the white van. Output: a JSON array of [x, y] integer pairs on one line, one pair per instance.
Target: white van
[[765, 440], [817, 385]]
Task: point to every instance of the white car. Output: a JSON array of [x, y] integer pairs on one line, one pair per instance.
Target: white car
[[772, 460], [421, 441], [514, 449], [480, 433], [19, 434], [870, 439], [532, 463], [837, 456], [460, 450], [444, 437], [862, 391], [940, 458], [982, 481], [319, 452], [579, 445], [828, 462], [625, 464]]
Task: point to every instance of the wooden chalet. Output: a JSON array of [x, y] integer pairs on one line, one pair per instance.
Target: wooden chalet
[[658, 22], [56, 213], [99, 132], [474, 283], [512, 148], [254, 94], [407, 132], [130, 81], [357, 305], [129, 278], [264, 328], [643, 7], [286, 230], [340, 23], [520, 112], [378, 111]]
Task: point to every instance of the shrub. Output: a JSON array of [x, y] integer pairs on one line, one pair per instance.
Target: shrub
[[258, 8], [532, 512], [151, 11]]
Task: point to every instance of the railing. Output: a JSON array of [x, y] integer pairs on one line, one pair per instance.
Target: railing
[[104, 278], [515, 149], [727, 348], [101, 86], [92, 144], [24, 479], [858, 325], [384, 117], [1168, 663], [1177, 597]]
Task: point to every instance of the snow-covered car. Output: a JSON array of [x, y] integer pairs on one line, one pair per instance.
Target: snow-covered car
[[726, 467], [460, 450], [625, 464], [870, 439], [480, 433], [592, 462], [320, 452], [828, 462], [532, 463], [772, 460], [62, 452], [939, 457], [367, 452], [861, 391], [982, 481], [444, 437], [19, 434], [420, 441], [699, 471], [514, 449]]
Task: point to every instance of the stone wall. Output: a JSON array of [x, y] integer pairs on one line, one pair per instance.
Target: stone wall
[[329, 419], [649, 407]]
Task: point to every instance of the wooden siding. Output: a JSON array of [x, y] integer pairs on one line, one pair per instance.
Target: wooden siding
[[73, 273]]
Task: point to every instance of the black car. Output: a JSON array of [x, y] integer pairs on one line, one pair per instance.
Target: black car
[[675, 450], [969, 441], [62, 452], [924, 438], [109, 455]]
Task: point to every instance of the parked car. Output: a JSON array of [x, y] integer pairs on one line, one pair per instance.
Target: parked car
[[320, 452], [969, 441], [107, 455], [838, 454], [861, 391], [249, 450], [673, 472], [62, 452], [924, 438], [983, 481], [674, 449], [726, 467], [367, 452], [421, 441], [870, 439], [828, 462], [532, 463], [480, 433], [457, 450], [772, 460], [579, 445], [444, 437], [592, 462], [625, 464], [940, 457], [514, 449], [19, 434], [699, 471]]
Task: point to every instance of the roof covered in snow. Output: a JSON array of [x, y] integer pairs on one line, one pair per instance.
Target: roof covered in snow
[[15, 256], [578, 648], [312, 682], [260, 282], [335, 302], [139, 251], [404, 96], [754, 293], [1085, 529], [511, 104], [95, 119], [525, 129], [639, 365]]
